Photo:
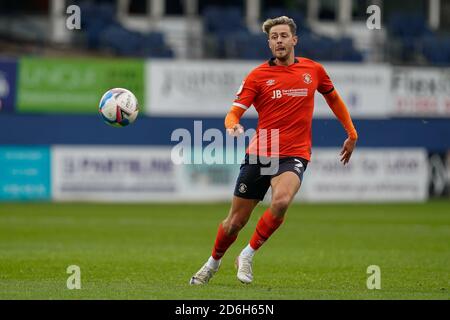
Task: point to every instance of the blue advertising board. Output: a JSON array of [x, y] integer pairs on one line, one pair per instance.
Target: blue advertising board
[[8, 74], [24, 173]]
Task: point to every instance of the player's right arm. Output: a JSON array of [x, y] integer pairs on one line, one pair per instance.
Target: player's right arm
[[234, 128], [244, 99]]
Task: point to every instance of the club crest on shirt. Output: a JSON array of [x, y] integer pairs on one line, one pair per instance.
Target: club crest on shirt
[[307, 78]]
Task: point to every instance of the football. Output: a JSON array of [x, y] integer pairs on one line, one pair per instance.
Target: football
[[118, 107]]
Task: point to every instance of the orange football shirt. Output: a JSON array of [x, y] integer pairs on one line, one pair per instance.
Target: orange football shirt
[[283, 96]]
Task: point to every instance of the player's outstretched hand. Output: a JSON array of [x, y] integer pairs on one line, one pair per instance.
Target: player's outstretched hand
[[347, 150], [236, 130]]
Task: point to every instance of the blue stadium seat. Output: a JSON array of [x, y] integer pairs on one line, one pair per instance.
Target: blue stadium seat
[[436, 50], [407, 29], [153, 45], [120, 40], [223, 19], [327, 49], [344, 50], [248, 46], [103, 31], [154, 39], [128, 43], [407, 25], [297, 16], [220, 22]]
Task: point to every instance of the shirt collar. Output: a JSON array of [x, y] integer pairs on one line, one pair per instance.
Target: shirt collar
[[272, 61]]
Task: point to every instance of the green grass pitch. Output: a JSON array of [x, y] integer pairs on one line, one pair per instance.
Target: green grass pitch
[[149, 251]]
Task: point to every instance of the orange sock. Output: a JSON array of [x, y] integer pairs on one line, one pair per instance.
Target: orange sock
[[223, 242], [267, 225]]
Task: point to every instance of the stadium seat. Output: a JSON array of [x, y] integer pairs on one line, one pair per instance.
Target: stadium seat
[[436, 50], [119, 40], [407, 25], [297, 16], [408, 29], [345, 51], [223, 19], [96, 18], [221, 22], [128, 43], [323, 48], [103, 31], [245, 45], [153, 45]]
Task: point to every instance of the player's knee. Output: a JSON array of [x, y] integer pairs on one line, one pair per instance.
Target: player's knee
[[280, 205]]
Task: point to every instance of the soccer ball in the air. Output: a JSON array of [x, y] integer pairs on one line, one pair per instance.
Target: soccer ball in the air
[[118, 107]]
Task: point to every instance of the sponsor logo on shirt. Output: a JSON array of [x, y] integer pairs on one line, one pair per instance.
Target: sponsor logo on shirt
[[296, 92], [277, 94]]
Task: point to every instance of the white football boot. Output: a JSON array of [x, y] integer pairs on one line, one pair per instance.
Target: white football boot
[[203, 275], [244, 265]]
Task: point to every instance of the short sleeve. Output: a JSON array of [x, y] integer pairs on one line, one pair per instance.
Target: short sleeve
[[325, 84], [246, 92]]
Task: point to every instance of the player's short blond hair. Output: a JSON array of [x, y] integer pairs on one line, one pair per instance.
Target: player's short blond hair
[[269, 23]]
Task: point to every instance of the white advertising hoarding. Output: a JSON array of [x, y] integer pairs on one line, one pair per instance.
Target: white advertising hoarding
[[208, 88], [135, 174], [420, 92], [363, 87], [118, 173], [372, 175], [194, 88], [140, 174]]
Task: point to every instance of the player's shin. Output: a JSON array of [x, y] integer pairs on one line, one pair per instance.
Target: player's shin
[[267, 225], [222, 243]]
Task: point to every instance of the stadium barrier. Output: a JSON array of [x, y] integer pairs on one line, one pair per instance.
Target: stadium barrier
[[420, 92], [146, 173], [206, 88], [8, 76], [69, 85], [408, 133], [25, 173]]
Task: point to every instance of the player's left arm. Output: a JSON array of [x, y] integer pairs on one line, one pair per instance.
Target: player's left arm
[[338, 107]]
